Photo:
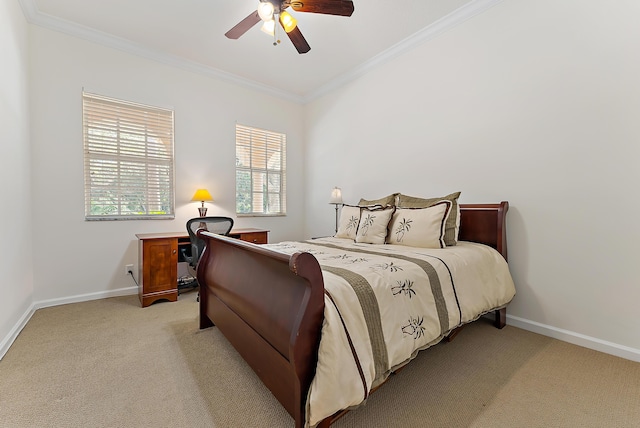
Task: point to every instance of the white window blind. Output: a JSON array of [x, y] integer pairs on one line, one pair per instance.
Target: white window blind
[[128, 160], [260, 172]]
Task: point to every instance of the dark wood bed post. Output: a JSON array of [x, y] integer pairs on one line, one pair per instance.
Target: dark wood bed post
[[305, 336], [486, 223]]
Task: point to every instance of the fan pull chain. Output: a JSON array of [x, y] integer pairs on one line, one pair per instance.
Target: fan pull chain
[[276, 18]]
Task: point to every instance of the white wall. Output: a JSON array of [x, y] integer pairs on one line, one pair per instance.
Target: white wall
[[536, 102], [16, 283], [73, 257]]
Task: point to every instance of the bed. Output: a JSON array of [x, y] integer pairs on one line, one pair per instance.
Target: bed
[[287, 307]]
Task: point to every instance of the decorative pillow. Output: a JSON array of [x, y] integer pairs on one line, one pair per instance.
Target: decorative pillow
[[452, 228], [348, 224], [420, 227], [387, 201], [373, 225]]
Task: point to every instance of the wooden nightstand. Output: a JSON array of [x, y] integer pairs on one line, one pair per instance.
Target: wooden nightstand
[[158, 257]]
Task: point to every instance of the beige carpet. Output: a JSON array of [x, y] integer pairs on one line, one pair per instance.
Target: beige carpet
[[110, 363]]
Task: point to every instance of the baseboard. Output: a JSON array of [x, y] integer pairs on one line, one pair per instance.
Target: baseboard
[[85, 297], [6, 343], [575, 338], [15, 331]]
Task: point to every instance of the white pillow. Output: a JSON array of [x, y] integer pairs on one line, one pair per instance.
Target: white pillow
[[420, 227], [373, 225], [348, 224]]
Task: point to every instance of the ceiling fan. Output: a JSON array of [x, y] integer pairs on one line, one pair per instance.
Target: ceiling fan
[[270, 11]]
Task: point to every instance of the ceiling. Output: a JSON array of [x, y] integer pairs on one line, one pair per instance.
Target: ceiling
[[190, 33]]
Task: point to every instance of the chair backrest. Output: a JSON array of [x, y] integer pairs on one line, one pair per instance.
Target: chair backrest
[[219, 225]]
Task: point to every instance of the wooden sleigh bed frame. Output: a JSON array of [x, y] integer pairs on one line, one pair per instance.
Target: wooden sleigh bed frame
[[270, 305]]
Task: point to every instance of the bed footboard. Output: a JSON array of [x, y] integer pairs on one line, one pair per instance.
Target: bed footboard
[[270, 308]]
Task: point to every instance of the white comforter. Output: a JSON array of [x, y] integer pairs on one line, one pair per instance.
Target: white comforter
[[384, 303]]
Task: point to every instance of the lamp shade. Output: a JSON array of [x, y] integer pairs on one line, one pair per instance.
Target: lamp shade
[[265, 10], [202, 195], [336, 196], [288, 21], [269, 27]]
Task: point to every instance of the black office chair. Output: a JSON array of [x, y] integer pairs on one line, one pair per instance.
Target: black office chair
[[219, 225]]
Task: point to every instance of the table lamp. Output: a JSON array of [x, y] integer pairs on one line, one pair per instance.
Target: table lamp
[[336, 199], [202, 195]]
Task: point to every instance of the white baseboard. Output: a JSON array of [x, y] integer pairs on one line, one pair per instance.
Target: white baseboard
[[6, 343], [15, 331], [575, 338], [85, 297]]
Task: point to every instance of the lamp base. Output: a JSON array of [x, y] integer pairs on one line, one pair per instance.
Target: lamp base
[[202, 211]]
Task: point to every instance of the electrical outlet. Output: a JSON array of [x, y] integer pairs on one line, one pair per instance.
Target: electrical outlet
[[128, 269]]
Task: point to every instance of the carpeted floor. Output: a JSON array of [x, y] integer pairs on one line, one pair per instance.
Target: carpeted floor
[[110, 363]]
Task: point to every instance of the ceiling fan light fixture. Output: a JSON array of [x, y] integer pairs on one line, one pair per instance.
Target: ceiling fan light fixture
[[269, 27], [288, 21], [274, 10], [265, 11]]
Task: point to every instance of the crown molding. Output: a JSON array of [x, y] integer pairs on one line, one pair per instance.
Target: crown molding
[[430, 32], [458, 16], [35, 17]]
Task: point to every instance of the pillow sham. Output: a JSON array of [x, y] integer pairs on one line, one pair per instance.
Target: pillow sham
[[373, 225], [348, 223], [420, 227], [452, 228], [387, 201]]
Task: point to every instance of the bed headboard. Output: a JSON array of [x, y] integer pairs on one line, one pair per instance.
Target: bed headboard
[[485, 223]]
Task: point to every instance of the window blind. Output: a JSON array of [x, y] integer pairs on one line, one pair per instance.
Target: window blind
[[260, 171], [128, 160]]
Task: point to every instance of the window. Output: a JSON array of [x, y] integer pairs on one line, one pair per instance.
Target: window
[[128, 160], [260, 172]]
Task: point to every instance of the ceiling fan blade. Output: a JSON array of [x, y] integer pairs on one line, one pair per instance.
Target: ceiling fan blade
[[327, 7], [243, 26], [298, 40]]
